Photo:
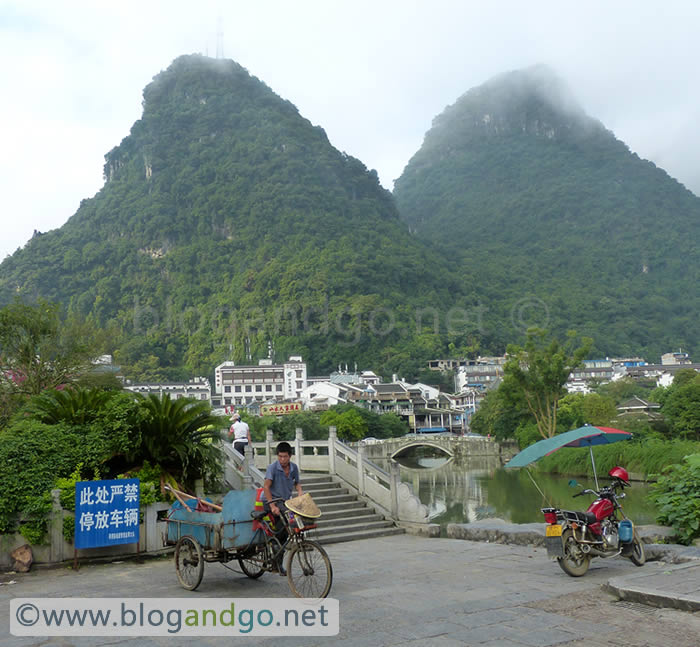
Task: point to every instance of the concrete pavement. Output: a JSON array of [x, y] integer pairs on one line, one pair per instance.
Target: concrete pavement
[[673, 586], [407, 590]]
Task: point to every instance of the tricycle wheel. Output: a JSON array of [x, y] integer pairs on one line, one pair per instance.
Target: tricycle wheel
[[309, 570], [251, 564], [189, 563]]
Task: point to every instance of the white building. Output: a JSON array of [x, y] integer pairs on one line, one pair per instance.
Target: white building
[[370, 378], [481, 372], [320, 396], [675, 358], [266, 382], [198, 388]]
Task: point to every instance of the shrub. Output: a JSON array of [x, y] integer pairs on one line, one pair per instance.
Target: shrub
[[676, 496], [33, 455]]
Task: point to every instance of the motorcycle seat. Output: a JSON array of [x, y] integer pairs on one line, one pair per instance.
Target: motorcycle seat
[[580, 517]]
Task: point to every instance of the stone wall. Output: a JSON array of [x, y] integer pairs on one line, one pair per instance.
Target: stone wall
[[57, 549]]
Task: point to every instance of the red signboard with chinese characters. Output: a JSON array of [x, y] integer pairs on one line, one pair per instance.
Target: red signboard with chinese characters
[[281, 409]]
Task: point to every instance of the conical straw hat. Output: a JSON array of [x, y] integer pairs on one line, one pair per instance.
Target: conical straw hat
[[303, 505]]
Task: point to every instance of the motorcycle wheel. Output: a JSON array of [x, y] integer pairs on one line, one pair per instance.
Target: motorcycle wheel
[[575, 562], [637, 556]]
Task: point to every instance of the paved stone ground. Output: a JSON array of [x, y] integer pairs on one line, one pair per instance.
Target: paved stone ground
[[403, 590]]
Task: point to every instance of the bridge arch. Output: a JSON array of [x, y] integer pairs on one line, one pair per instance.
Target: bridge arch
[[401, 451]]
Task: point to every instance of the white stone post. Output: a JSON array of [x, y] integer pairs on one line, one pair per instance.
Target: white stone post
[[332, 438], [299, 436], [247, 462], [395, 480], [199, 487], [150, 521], [360, 470], [248, 453], [269, 439]]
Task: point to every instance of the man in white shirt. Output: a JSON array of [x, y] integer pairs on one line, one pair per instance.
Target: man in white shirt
[[240, 432]]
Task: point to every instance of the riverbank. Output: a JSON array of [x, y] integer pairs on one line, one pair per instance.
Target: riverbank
[[498, 531]]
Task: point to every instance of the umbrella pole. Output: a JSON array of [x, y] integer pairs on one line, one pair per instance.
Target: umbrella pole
[[595, 473], [544, 496]]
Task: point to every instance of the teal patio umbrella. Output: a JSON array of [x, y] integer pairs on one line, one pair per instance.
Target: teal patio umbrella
[[585, 436]]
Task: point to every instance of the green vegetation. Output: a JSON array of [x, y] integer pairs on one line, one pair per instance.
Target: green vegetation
[[505, 413], [228, 221], [40, 350], [681, 404], [60, 436], [676, 495], [555, 222], [351, 423], [179, 435], [536, 375], [645, 457]]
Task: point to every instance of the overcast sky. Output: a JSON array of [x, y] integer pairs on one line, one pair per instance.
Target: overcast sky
[[373, 74]]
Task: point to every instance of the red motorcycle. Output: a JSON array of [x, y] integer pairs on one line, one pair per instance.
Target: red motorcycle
[[573, 538]]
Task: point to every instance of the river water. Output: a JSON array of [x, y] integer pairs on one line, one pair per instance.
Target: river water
[[469, 489]]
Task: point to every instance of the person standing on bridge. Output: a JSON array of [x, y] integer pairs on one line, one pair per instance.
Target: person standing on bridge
[[240, 432]]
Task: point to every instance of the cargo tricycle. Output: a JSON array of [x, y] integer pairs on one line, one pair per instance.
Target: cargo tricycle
[[204, 532]]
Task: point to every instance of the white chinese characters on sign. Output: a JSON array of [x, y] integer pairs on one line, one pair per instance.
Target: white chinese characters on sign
[[106, 513]]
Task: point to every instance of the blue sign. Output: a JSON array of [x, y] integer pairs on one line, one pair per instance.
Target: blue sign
[[106, 513]]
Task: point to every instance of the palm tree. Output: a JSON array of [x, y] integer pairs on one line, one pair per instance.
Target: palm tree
[[74, 405], [180, 436]]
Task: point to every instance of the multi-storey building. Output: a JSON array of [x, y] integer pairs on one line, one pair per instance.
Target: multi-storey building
[[266, 382], [593, 369], [479, 373], [198, 388], [675, 358]]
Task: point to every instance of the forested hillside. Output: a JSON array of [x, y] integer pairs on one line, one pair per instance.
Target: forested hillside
[[228, 222], [229, 227], [560, 222]]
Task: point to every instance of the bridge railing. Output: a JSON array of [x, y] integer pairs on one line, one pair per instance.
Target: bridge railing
[[382, 489]]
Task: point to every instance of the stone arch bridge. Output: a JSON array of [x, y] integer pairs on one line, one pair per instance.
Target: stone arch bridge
[[454, 446]]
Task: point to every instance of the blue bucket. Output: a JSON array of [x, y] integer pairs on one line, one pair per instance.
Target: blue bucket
[[626, 531]]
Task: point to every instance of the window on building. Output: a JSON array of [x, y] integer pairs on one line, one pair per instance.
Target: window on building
[[298, 373], [227, 389], [278, 387], [299, 384], [258, 388], [247, 388], [237, 389], [268, 387], [227, 400]]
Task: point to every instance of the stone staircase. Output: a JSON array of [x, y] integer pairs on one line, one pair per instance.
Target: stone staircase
[[344, 517]]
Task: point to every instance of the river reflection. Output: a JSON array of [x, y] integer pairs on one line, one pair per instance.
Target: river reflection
[[469, 489]]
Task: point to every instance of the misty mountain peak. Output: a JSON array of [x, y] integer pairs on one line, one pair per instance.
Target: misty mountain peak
[[534, 101]]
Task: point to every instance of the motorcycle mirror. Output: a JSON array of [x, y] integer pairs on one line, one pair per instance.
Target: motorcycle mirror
[[573, 483]]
